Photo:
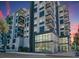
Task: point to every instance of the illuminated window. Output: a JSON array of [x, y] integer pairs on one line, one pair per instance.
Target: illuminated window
[[44, 37]]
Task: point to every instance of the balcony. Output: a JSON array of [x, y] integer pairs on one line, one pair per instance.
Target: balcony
[[50, 23], [48, 4], [49, 16], [50, 11], [50, 26]]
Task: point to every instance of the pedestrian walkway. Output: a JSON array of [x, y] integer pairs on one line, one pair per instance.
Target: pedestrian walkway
[[43, 54]]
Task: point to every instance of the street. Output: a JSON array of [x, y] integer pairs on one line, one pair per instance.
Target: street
[[28, 55]]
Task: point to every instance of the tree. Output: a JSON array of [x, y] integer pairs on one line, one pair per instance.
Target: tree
[[3, 31]]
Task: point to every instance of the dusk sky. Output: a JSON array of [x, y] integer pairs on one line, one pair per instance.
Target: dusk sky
[[73, 10]]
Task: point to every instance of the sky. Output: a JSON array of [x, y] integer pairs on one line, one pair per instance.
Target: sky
[[72, 6]]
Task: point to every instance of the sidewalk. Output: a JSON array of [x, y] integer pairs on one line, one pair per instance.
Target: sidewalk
[[43, 54]]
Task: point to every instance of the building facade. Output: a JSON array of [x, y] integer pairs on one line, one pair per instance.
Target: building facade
[[43, 28], [64, 28], [20, 30], [46, 39]]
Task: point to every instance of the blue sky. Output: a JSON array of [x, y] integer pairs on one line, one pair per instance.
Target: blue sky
[[73, 8], [14, 6]]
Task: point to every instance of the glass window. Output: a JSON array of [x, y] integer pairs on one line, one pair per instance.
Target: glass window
[[40, 37], [27, 24], [61, 16], [62, 33], [35, 18], [61, 28], [35, 24], [41, 23], [14, 40], [41, 13], [61, 11], [13, 46], [35, 4], [35, 9], [49, 36], [41, 8], [36, 37], [8, 41], [61, 21], [40, 1], [42, 29], [44, 37], [8, 47], [27, 18]]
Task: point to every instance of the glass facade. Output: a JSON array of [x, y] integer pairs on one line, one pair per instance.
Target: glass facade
[[43, 43]]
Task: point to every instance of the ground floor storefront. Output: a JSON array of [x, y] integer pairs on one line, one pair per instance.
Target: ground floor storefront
[[47, 43]]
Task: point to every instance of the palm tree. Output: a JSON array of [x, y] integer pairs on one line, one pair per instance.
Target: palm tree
[[3, 30]]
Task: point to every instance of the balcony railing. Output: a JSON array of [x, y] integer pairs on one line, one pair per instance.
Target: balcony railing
[[49, 16], [49, 5]]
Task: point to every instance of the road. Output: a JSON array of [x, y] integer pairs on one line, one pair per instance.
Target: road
[[15, 55]]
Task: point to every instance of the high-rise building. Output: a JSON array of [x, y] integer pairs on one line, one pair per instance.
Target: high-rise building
[[46, 39], [64, 27], [51, 26], [20, 30]]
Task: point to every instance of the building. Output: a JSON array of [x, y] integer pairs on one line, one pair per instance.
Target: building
[[44, 28], [64, 28], [20, 31], [46, 39], [50, 17], [9, 20]]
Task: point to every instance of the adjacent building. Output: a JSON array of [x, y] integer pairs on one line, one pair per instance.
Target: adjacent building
[[19, 31], [64, 28]]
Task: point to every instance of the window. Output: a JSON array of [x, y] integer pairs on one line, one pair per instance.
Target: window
[[62, 33], [61, 28], [60, 11], [14, 40], [61, 22], [27, 19], [41, 14], [27, 36], [61, 16], [27, 24], [8, 41], [41, 23], [42, 29], [40, 1], [8, 47], [27, 31], [35, 4], [13, 46], [35, 24], [35, 9], [41, 8], [35, 18]]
